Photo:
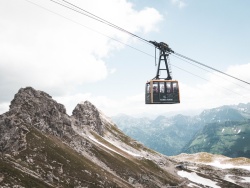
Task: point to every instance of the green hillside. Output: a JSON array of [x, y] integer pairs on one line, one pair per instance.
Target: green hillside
[[229, 138]]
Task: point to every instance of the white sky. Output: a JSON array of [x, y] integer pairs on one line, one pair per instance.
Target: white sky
[[70, 57]]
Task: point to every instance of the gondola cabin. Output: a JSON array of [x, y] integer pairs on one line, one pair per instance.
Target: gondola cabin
[[162, 92]]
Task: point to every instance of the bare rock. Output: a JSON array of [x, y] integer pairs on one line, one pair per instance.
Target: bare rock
[[88, 115], [31, 108]]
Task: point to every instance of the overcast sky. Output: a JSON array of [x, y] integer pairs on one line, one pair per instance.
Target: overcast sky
[[75, 58]]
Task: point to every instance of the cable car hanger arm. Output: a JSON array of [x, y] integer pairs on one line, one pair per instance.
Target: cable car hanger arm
[[164, 47]]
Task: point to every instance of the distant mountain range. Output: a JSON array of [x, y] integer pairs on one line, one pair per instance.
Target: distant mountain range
[[223, 130], [230, 138]]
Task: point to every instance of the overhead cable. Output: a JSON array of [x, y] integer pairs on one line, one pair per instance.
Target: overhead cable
[[97, 18], [89, 28], [174, 55], [210, 67]]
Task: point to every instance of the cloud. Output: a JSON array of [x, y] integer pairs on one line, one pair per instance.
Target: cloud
[[106, 104], [38, 48], [180, 3], [218, 91]]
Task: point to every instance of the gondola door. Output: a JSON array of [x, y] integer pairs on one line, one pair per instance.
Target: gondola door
[[147, 93]]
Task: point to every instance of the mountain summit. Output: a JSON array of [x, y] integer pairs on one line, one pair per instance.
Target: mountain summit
[[89, 115], [42, 146]]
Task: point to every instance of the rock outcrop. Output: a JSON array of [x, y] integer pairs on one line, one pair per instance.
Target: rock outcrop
[[31, 108], [89, 115], [42, 146]]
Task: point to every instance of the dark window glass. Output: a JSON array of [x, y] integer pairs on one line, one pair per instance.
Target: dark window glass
[[155, 87]]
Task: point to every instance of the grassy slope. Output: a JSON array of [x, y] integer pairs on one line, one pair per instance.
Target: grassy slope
[[53, 161], [49, 155], [13, 176], [231, 139], [127, 166]]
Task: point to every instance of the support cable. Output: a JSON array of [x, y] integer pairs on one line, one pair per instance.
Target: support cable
[[208, 71], [89, 28], [219, 86], [210, 67], [97, 18]]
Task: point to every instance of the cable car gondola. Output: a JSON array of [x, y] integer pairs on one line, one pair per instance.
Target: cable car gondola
[[162, 90]]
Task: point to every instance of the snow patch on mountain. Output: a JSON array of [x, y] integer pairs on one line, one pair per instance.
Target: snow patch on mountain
[[218, 164], [123, 147], [103, 145], [246, 180], [214, 160], [192, 176], [228, 178], [127, 151]]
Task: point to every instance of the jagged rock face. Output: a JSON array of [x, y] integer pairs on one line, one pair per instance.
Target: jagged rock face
[[41, 146], [31, 108], [12, 135], [88, 115], [38, 106]]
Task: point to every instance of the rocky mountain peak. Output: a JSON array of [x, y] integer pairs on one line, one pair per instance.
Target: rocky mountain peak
[[88, 115], [48, 147], [32, 101], [31, 108]]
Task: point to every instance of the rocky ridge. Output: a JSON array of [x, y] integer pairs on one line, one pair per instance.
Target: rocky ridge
[[42, 146]]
